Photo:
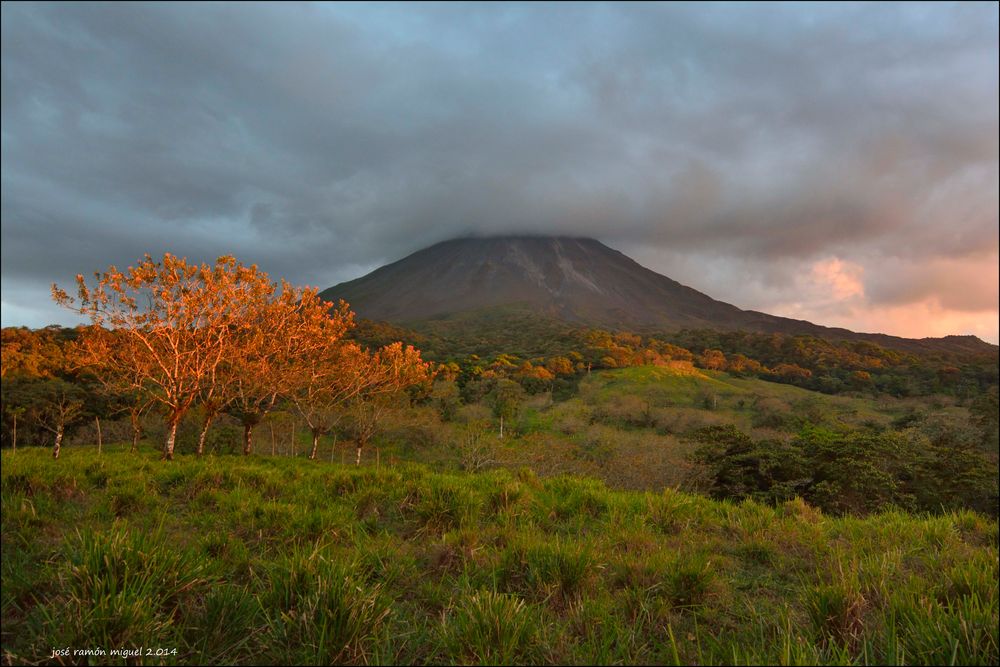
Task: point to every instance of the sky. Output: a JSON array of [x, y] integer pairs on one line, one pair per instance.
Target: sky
[[836, 163]]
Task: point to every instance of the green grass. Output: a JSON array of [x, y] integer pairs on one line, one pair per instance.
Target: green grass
[[260, 559], [734, 396]]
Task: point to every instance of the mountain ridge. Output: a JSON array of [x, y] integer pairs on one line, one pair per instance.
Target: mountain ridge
[[574, 279]]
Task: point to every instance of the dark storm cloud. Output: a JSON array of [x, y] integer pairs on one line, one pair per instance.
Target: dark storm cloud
[[322, 140]]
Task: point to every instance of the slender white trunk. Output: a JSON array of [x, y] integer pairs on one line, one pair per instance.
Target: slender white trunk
[[358, 461], [58, 445], [204, 433], [312, 454], [100, 443], [247, 439], [501, 427], [201, 439], [168, 446], [333, 448]]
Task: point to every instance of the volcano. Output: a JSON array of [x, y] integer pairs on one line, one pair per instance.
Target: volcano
[[580, 281]]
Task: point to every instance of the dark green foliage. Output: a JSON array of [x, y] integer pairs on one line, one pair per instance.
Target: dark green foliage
[[986, 413], [952, 472], [857, 472], [46, 405], [769, 470]]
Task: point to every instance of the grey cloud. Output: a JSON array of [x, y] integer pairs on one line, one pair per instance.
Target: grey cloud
[[322, 140]]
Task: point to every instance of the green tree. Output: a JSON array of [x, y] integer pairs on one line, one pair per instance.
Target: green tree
[[446, 399], [56, 406], [505, 400], [740, 467]]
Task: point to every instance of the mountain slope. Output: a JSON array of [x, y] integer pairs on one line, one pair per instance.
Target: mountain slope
[[575, 280]]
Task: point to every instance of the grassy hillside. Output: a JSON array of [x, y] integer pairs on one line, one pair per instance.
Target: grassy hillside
[[233, 560], [630, 427], [735, 397]]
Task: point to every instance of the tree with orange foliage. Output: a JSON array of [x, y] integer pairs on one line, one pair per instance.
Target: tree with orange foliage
[[324, 383], [559, 366], [791, 372], [35, 354], [123, 385], [384, 375], [290, 334], [713, 360], [164, 328]]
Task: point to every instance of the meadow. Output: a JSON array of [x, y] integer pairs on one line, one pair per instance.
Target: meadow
[[231, 559]]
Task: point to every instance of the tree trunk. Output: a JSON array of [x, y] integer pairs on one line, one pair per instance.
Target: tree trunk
[[312, 454], [501, 427], [15, 433], [358, 461], [204, 433], [58, 445], [168, 446], [333, 447], [247, 439], [271, 426], [136, 431], [99, 440], [293, 437]]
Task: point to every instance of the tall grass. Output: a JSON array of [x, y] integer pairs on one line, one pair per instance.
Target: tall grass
[[232, 560], [491, 628], [320, 610], [119, 587]]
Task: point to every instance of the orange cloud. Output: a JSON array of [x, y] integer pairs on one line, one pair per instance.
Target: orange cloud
[[834, 294], [843, 279]]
